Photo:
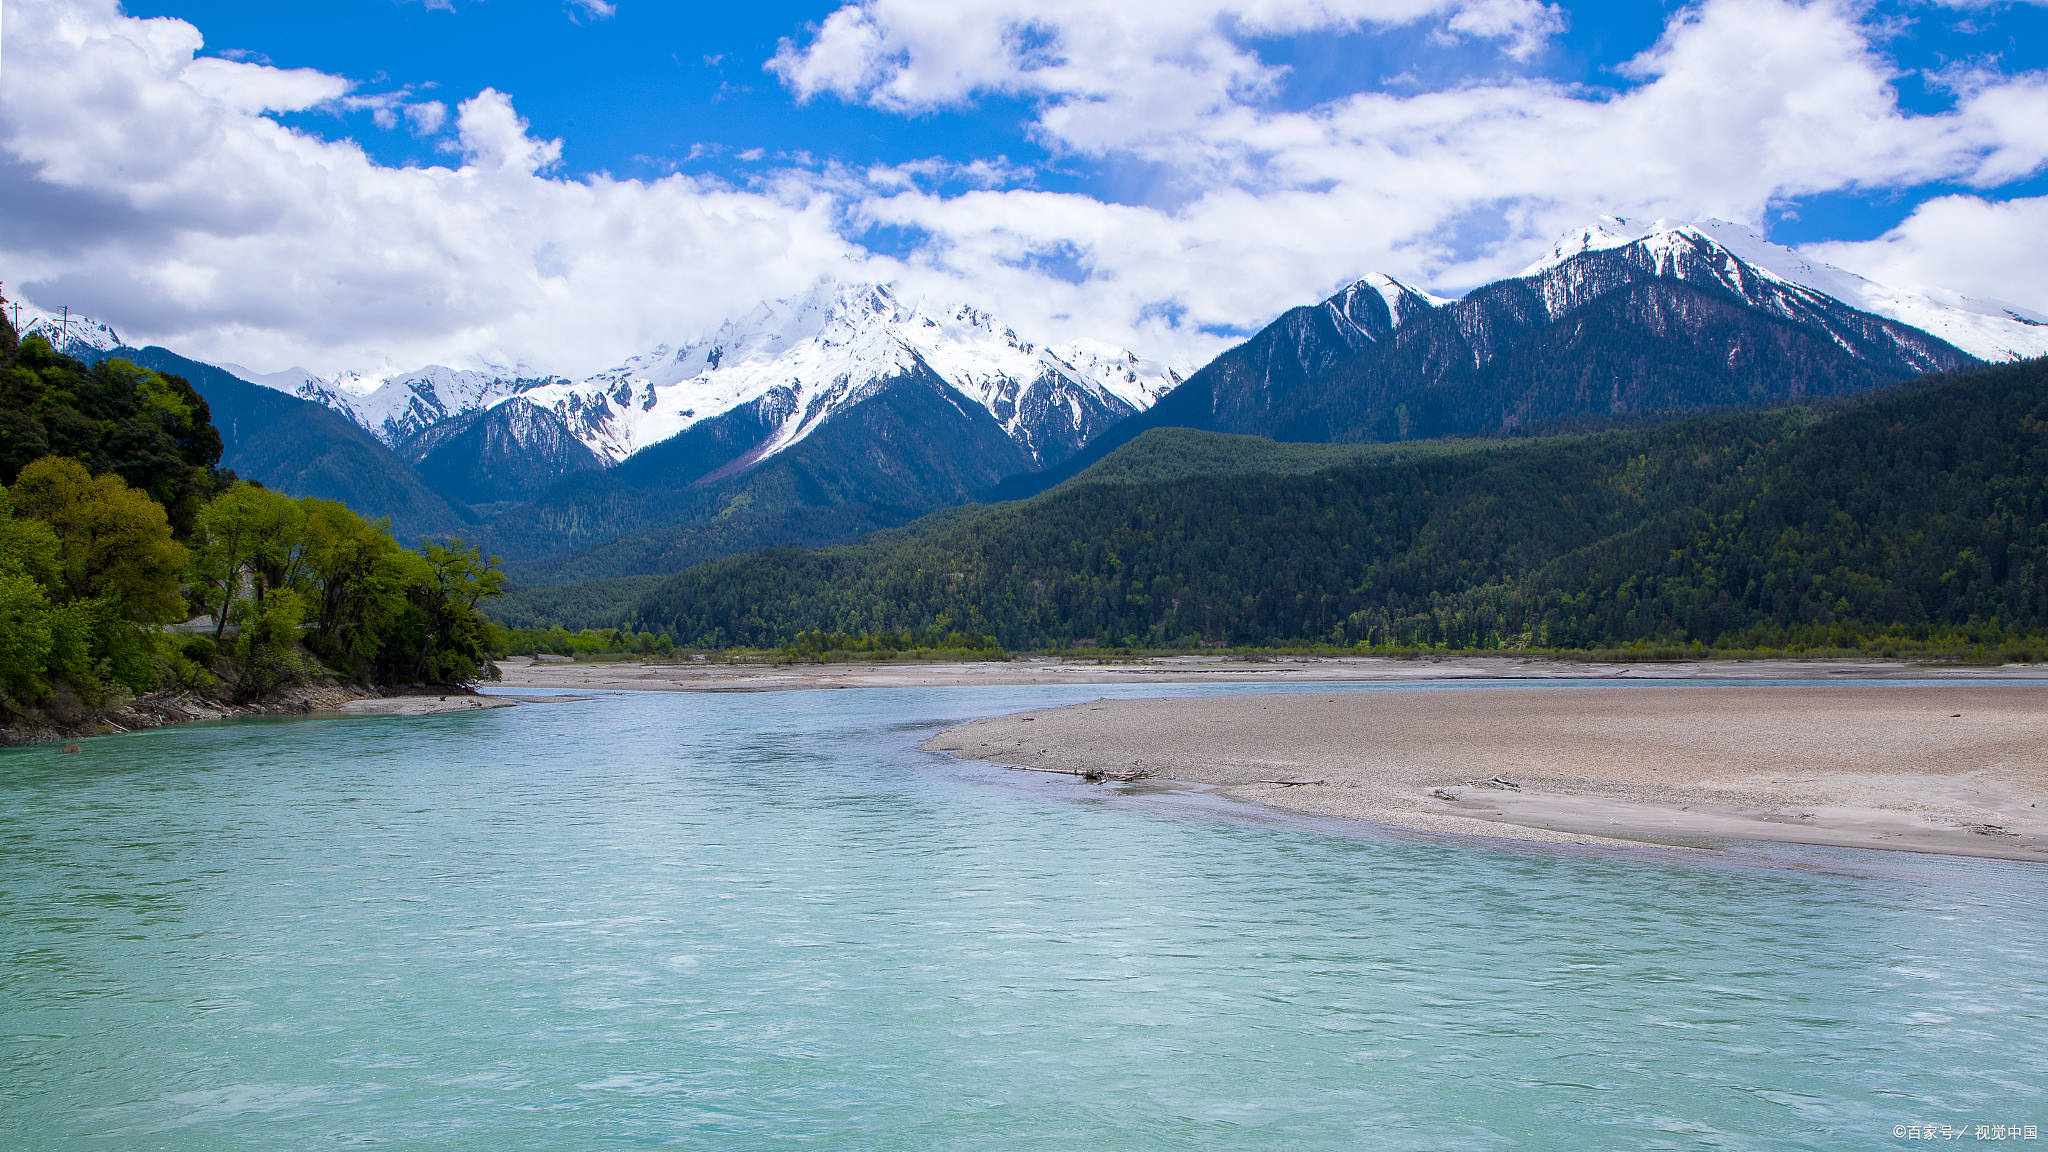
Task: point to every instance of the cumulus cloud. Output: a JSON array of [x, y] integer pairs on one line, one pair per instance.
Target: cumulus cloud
[[155, 186], [1995, 249], [920, 54], [146, 184], [494, 137]]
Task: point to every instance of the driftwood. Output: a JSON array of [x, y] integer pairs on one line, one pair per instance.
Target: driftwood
[[1496, 782], [1091, 775], [1294, 783]]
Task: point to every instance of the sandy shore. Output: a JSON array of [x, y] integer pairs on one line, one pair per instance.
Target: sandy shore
[[1959, 768], [424, 705], [684, 676]]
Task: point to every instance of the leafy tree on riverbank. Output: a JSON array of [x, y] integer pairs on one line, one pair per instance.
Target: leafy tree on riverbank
[[440, 635], [558, 641], [114, 542], [310, 572], [114, 522], [30, 628]]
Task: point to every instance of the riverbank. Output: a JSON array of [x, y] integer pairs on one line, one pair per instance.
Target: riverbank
[[1958, 768], [709, 676], [163, 709]]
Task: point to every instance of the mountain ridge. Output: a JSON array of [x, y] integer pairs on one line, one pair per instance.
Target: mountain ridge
[[813, 354], [1615, 326], [848, 409]]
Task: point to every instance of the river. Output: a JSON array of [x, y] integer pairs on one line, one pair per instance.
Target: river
[[767, 921]]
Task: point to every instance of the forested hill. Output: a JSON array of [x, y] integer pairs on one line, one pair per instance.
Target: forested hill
[[1917, 513]]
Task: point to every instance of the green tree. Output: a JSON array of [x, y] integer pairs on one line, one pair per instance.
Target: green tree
[[356, 580], [28, 567], [152, 430], [115, 542], [246, 542], [442, 636], [268, 647]]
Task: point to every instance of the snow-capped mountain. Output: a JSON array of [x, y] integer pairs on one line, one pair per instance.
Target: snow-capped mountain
[[1757, 269], [398, 407], [802, 360], [1618, 323], [817, 354], [70, 333]]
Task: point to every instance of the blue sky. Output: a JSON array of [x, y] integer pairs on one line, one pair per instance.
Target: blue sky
[[1145, 171]]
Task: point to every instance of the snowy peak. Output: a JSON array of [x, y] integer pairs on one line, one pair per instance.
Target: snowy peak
[[1129, 377], [1604, 234], [801, 361], [1400, 302], [398, 407], [796, 362], [71, 333], [1757, 270]]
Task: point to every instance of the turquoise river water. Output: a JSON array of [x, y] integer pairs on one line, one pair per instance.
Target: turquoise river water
[[766, 921]]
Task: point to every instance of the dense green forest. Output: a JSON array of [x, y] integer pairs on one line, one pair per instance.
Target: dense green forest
[[116, 521], [1913, 517]]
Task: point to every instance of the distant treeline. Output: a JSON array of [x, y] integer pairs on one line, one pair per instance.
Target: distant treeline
[[115, 521], [1916, 518], [559, 641], [927, 644]]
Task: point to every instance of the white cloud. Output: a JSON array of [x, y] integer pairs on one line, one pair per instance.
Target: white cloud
[[145, 185], [253, 88], [1995, 250], [1523, 26], [921, 54], [494, 137], [153, 186], [427, 117]]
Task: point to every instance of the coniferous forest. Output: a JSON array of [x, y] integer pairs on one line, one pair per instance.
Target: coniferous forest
[[1913, 517], [116, 523]]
